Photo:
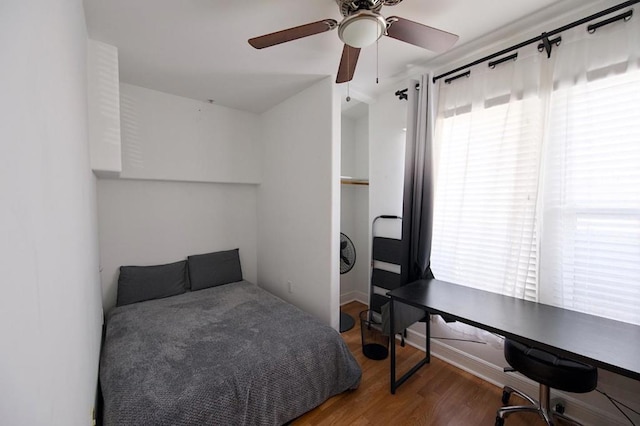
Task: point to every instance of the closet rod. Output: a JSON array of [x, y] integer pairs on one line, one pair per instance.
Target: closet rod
[[542, 37]]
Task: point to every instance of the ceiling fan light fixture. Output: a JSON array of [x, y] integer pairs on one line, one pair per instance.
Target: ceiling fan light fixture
[[362, 29]]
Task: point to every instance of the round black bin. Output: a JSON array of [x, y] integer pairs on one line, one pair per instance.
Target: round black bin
[[375, 345]]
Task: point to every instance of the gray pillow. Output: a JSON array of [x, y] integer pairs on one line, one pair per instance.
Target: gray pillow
[[213, 269], [140, 283]]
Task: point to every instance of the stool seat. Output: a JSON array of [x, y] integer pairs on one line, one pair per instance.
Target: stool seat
[[549, 369]]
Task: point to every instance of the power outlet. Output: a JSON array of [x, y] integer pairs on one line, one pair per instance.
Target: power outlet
[[289, 287]]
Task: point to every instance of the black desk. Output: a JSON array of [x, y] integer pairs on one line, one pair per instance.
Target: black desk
[[603, 343]]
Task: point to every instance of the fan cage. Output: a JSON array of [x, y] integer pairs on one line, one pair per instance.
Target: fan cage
[[350, 250]]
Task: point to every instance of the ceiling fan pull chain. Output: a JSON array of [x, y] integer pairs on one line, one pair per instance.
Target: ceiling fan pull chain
[[348, 81], [377, 60]]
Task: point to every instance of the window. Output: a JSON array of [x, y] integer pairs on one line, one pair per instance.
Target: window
[[590, 246], [486, 191], [539, 196]]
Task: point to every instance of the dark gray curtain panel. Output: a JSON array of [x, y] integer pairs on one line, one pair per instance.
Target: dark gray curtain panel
[[417, 212]]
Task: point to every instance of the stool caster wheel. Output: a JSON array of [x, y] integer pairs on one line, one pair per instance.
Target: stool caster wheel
[[558, 405], [499, 421], [505, 398]]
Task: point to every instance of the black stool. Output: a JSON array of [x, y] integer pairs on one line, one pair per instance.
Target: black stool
[[550, 371]]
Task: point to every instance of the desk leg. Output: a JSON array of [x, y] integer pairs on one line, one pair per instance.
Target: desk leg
[[427, 344], [392, 338], [395, 384]]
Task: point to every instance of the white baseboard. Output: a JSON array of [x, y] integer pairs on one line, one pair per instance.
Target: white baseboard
[[587, 414], [354, 296]]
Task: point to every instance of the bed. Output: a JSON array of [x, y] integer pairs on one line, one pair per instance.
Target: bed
[[228, 354]]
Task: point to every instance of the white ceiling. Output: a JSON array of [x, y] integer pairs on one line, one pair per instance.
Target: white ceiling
[[198, 48]]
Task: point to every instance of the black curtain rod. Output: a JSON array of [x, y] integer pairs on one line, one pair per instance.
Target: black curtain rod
[[464, 74], [543, 37]]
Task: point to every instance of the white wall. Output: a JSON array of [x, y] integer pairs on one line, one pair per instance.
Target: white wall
[[298, 216], [154, 222], [347, 200], [168, 137], [183, 188], [387, 119], [50, 315], [361, 132], [354, 208]]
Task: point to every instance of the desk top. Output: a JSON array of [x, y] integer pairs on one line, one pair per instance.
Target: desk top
[[601, 342]]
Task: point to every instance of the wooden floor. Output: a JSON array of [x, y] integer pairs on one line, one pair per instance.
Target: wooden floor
[[438, 394]]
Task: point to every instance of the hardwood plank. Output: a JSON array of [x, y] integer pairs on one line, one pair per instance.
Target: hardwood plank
[[439, 394]]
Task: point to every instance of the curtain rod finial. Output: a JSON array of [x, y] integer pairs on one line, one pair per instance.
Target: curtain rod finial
[[402, 94]]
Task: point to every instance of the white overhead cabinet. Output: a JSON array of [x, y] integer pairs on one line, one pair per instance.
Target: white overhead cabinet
[[103, 105]]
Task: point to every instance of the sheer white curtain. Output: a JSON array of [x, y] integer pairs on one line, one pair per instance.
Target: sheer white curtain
[[538, 175], [590, 229], [488, 139]]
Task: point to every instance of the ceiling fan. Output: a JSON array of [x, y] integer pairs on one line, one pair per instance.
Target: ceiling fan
[[362, 26]]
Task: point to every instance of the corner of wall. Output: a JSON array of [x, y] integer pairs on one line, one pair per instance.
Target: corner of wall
[[298, 219]]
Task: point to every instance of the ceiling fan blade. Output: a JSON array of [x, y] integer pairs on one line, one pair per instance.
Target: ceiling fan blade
[[294, 33], [420, 35], [348, 64]]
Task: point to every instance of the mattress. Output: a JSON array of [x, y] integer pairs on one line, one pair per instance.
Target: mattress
[[232, 355]]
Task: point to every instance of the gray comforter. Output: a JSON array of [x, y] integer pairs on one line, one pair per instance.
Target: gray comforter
[[232, 354]]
